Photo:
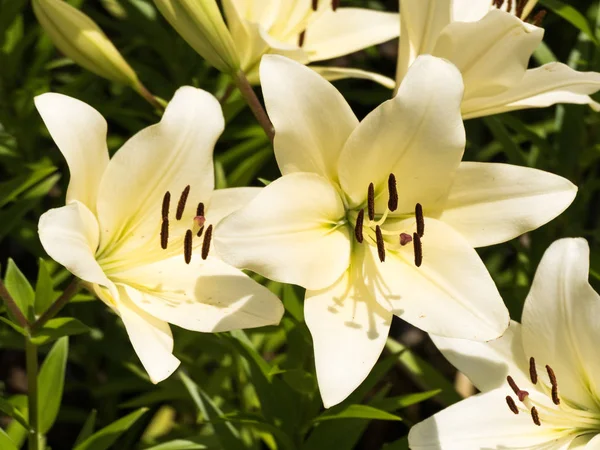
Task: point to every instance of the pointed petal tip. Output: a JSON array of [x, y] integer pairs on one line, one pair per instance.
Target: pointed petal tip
[[170, 366]]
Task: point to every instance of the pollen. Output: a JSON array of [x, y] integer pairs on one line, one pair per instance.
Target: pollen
[[371, 201], [164, 233], [393, 193], [511, 404], [380, 243], [532, 371], [420, 220], [181, 204], [535, 416], [165, 205], [187, 246], [206, 242], [358, 228], [418, 249]]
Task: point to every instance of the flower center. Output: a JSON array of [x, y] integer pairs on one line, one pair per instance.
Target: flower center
[[372, 228], [519, 10], [315, 5], [550, 410], [197, 227]]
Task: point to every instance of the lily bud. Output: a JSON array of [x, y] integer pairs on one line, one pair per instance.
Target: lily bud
[[79, 38], [201, 24]]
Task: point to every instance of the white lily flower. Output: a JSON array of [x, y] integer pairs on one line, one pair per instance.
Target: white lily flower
[[539, 382], [305, 30], [492, 50], [138, 252], [336, 214]]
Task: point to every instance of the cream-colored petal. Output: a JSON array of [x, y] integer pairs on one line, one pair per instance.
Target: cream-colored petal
[[333, 73], [151, 339], [418, 136], [70, 236], [487, 364], [168, 156], [422, 21], [491, 203], [492, 54], [225, 201], [482, 422], [560, 326], [311, 118], [470, 10], [79, 131], [208, 296], [348, 30], [349, 330], [291, 232], [451, 294], [544, 86]]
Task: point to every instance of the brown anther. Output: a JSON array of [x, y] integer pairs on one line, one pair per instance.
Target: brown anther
[[380, 243], [513, 385], [405, 238], [555, 397], [535, 416], [418, 250], [165, 205], [371, 201], [554, 383], [206, 242], [509, 6], [520, 7], [301, 38], [315, 4], [511, 404], [532, 371], [181, 203], [393, 193], [420, 220], [335, 4], [200, 209], [358, 228], [539, 18], [187, 246], [164, 233]]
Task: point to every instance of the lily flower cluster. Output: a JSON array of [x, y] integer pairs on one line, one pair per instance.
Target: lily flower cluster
[[373, 218]]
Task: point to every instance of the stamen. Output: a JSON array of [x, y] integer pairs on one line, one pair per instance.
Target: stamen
[[535, 416], [200, 213], [521, 395], [418, 250], [301, 38], [165, 205], [200, 209], [187, 246], [420, 220], [206, 242], [181, 204], [520, 7], [380, 243], [315, 4], [358, 229], [554, 383], [371, 201], [539, 18], [335, 4], [509, 6], [164, 233], [532, 371], [393, 192], [512, 405], [405, 238]]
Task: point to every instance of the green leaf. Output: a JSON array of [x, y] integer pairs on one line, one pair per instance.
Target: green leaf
[[6, 443], [59, 327], [13, 325], [44, 292], [10, 410], [178, 444], [228, 435], [356, 412], [103, 439], [400, 444], [403, 401], [88, 428], [20, 289], [51, 382], [571, 15]]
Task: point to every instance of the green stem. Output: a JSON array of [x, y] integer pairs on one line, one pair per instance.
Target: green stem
[[55, 307], [13, 307], [32, 394], [255, 106], [147, 95]]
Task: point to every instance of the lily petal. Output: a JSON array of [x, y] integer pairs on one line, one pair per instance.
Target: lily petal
[[226, 201], [422, 22], [79, 131], [332, 73], [70, 236], [348, 30], [487, 364], [290, 233], [349, 330], [168, 156], [560, 326], [151, 339], [491, 203], [482, 422], [470, 10], [451, 294], [544, 86], [492, 54], [207, 296], [311, 118], [418, 136]]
